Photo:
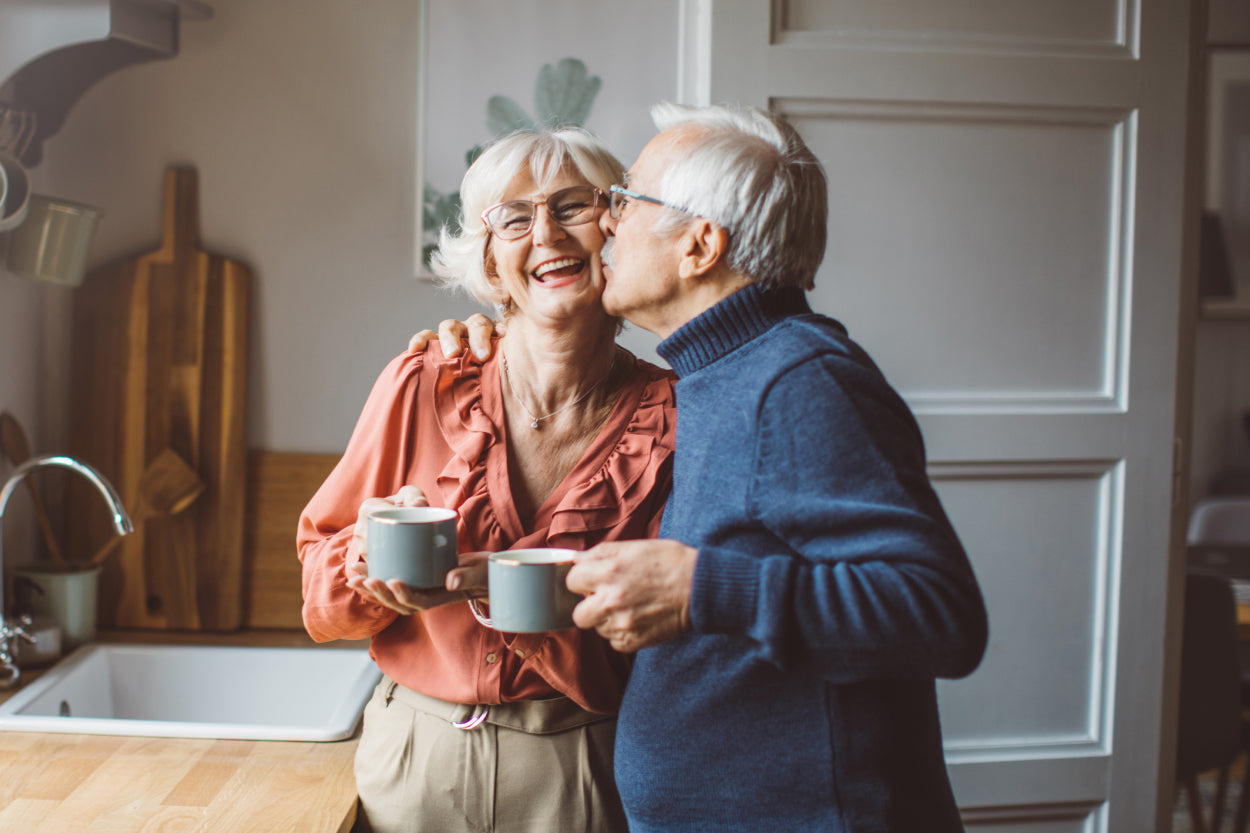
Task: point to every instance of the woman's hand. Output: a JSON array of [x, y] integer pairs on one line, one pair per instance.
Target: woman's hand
[[466, 581], [406, 496]]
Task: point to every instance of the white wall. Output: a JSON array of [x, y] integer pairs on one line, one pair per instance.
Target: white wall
[[300, 117]]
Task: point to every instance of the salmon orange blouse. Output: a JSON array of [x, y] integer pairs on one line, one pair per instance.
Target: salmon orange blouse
[[438, 424]]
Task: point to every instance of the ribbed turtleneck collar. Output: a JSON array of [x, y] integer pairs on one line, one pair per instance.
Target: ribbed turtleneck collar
[[728, 325]]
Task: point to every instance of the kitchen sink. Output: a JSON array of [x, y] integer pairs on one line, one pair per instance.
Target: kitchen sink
[[198, 691]]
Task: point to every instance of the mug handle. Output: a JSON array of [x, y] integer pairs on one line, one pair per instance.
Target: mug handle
[[476, 609]]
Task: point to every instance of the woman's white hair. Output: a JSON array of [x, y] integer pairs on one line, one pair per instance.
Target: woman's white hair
[[753, 175], [462, 259]]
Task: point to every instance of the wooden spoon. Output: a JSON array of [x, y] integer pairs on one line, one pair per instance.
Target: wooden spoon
[[168, 486], [16, 448]]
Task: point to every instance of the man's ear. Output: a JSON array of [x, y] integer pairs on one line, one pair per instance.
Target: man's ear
[[705, 246]]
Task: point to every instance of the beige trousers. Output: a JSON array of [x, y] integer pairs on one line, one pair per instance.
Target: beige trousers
[[531, 767]]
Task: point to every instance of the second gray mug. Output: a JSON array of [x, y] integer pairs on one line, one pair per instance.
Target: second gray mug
[[527, 591]]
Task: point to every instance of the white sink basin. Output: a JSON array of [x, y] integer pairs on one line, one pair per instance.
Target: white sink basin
[[196, 691]]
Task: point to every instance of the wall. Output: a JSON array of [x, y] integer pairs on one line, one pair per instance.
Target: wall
[[300, 116]]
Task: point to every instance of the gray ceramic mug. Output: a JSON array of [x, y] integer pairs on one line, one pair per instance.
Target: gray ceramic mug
[[415, 544], [527, 591]]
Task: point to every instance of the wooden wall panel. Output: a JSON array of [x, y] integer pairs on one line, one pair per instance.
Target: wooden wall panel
[[279, 486]]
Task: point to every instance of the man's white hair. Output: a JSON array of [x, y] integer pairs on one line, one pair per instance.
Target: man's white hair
[[460, 261], [753, 175]]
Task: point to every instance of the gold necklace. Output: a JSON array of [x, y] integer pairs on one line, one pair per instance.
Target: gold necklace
[[534, 420]]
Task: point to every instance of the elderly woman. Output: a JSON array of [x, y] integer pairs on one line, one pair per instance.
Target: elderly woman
[[561, 438]]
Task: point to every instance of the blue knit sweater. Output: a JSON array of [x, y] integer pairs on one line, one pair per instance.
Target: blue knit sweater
[[829, 592]]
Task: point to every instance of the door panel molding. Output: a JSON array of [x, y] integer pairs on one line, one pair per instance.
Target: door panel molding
[[1052, 604], [1001, 356], [1107, 29]]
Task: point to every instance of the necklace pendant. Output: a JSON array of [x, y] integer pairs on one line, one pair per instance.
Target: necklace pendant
[[534, 425]]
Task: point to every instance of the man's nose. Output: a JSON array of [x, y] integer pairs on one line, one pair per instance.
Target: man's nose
[[607, 224]]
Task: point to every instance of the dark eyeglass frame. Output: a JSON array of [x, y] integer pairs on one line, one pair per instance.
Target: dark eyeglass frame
[[618, 195], [597, 198]]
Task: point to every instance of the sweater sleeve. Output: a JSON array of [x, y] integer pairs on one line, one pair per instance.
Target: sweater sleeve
[[373, 465], [860, 571]]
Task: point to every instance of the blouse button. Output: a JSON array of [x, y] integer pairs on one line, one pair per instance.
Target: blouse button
[[491, 659], [520, 653]]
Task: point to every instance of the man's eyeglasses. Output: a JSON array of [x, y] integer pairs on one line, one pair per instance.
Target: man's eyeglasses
[[570, 207], [620, 197]]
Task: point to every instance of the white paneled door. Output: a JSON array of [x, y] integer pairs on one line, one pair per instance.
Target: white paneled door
[[1006, 188]]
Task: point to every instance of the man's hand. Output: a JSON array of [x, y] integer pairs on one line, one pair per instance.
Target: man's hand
[[477, 328], [637, 592]]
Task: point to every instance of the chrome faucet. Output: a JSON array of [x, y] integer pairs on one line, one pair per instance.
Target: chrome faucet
[[11, 633]]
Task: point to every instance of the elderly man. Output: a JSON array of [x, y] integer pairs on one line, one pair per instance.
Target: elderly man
[[807, 588]]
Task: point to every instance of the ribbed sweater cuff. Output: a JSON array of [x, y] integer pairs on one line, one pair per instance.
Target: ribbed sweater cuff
[[725, 591]]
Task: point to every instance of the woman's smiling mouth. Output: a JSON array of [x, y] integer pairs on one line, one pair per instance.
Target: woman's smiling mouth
[[558, 271]]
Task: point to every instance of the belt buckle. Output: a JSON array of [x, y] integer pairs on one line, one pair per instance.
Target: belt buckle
[[473, 721]]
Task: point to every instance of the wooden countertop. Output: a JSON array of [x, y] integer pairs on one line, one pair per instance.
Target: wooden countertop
[[67, 783], [70, 783]]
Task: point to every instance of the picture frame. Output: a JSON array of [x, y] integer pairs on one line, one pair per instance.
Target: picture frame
[[488, 68]]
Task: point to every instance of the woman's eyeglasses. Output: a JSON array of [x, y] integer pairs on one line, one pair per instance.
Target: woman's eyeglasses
[[570, 207]]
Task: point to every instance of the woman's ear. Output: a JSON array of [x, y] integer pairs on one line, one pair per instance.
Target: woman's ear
[[492, 276], [705, 246]]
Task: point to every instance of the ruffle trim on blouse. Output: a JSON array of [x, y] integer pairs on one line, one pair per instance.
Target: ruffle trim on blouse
[[622, 484], [629, 476], [469, 432]]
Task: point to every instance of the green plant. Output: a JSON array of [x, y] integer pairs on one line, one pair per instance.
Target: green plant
[[563, 97]]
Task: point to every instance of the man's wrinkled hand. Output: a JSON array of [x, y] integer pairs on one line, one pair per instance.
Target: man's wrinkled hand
[[637, 592], [477, 328]]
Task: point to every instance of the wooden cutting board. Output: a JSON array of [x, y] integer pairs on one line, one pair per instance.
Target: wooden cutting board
[[159, 364]]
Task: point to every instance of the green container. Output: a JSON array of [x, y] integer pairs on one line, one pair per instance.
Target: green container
[[69, 598], [52, 244]]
